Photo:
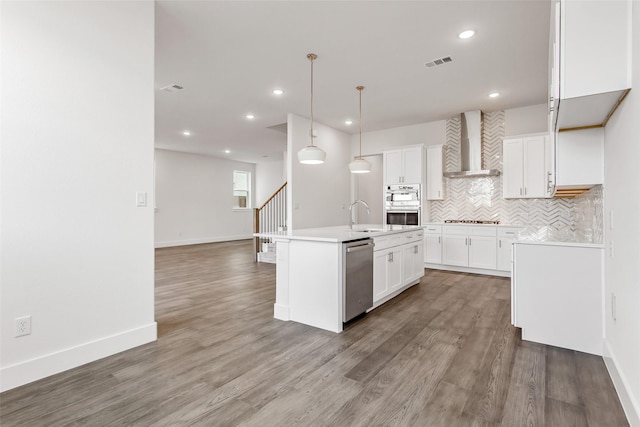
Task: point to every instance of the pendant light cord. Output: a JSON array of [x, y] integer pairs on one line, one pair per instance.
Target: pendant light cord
[[311, 57], [360, 89]]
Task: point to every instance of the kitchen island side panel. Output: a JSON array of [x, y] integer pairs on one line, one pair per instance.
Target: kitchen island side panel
[[558, 295], [315, 284]]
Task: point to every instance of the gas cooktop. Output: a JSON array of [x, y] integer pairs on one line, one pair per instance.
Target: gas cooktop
[[470, 221]]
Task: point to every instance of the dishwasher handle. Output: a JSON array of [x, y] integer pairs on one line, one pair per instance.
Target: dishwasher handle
[[359, 247]]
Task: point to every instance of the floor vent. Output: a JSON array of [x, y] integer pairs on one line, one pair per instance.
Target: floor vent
[[439, 61]]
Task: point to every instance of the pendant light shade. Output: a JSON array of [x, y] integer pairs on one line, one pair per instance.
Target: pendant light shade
[[311, 155], [360, 165]]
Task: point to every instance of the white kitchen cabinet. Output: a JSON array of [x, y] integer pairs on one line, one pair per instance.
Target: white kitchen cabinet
[[413, 261], [397, 263], [590, 69], [526, 167], [433, 244], [506, 237], [465, 246], [387, 272], [435, 187], [580, 158], [482, 252], [556, 294], [455, 249], [403, 165]]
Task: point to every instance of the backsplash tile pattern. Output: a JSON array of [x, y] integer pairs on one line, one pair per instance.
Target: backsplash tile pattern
[[580, 219]]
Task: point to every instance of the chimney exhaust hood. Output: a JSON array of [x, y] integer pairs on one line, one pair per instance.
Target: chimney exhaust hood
[[471, 148]]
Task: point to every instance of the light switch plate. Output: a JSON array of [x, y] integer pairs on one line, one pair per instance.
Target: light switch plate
[[141, 199]]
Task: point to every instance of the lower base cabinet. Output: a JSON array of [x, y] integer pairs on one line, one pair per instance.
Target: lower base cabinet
[[397, 262], [556, 295], [471, 248], [387, 272]]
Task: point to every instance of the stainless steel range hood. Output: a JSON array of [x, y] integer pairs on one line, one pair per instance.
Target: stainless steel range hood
[[471, 148]]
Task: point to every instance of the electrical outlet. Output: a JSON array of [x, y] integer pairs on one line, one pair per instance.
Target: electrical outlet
[[23, 326], [613, 307]]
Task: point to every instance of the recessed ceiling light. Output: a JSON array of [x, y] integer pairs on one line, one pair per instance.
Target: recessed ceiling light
[[227, 151], [250, 116], [494, 94], [466, 34], [278, 91], [186, 132], [348, 122]]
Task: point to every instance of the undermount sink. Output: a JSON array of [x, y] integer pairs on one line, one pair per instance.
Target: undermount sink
[[370, 230]]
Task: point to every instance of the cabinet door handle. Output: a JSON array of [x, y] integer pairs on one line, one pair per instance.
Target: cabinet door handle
[[390, 256], [521, 191], [439, 240], [438, 193], [415, 249], [500, 243], [469, 241], [525, 191], [465, 241]]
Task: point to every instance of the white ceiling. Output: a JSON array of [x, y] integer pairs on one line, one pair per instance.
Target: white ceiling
[[229, 55]]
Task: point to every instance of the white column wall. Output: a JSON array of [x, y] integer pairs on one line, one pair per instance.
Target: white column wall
[[77, 145], [622, 240], [318, 194], [194, 200]]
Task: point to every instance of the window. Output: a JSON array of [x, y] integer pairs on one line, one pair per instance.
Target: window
[[241, 190]]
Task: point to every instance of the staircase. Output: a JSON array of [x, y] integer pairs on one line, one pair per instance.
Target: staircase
[[271, 217]]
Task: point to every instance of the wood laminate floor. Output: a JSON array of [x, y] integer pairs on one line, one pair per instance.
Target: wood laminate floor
[[441, 354]]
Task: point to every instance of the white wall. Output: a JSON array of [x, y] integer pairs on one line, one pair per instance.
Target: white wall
[[622, 240], [523, 120], [194, 200], [318, 195], [431, 133], [269, 177], [77, 144]]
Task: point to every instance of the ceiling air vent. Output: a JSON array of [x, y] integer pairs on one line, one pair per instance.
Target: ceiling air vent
[[439, 61], [172, 88]]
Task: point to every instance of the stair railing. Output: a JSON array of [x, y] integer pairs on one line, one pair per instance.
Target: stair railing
[[270, 217]]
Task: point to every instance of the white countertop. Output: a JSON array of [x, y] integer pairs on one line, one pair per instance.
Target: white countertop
[[472, 225], [339, 234]]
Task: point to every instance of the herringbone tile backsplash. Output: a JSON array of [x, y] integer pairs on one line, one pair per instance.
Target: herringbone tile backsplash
[[580, 219]]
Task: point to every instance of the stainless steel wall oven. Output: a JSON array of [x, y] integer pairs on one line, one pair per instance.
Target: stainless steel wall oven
[[403, 204]]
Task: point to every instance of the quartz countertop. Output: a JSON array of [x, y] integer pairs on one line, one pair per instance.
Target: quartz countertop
[[472, 224], [339, 234]]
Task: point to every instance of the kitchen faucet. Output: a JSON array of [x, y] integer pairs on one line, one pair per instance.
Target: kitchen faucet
[[351, 220]]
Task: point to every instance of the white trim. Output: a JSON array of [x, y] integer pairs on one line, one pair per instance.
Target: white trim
[[389, 297], [281, 312], [499, 273], [40, 367], [185, 242], [627, 399]]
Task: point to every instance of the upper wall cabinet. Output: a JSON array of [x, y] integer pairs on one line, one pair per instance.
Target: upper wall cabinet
[[435, 188], [403, 165], [527, 167], [590, 51]]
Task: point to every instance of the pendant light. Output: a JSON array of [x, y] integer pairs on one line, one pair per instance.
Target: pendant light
[[360, 165], [311, 155]]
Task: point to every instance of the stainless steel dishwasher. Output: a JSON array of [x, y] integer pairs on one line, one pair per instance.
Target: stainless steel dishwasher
[[358, 277]]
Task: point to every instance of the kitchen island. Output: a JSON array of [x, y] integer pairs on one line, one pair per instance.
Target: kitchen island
[[310, 274]]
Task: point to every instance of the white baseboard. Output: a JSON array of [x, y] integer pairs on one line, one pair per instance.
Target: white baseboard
[[627, 399], [281, 312], [31, 370], [498, 273], [185, 242]]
